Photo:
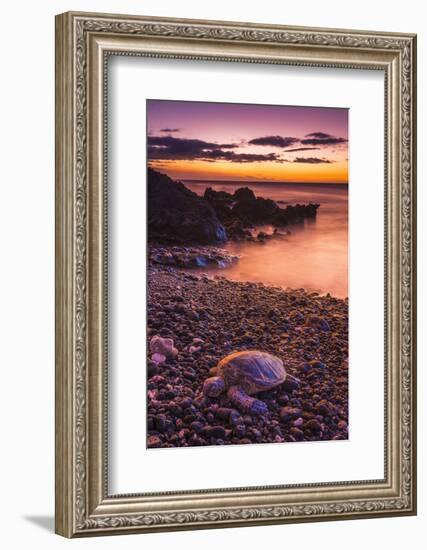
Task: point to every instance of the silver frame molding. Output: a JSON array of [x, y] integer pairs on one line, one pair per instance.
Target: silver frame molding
[[83, 43]]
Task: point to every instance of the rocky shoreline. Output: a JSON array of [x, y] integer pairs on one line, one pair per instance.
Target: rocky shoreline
[[242, 211], [208, 318], [177, 216], [190, 256]]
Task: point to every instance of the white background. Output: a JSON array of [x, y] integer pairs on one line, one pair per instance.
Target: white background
[[133, 468], [27, 275]]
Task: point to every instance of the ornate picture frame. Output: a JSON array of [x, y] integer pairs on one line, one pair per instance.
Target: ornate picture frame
[[84, 42]]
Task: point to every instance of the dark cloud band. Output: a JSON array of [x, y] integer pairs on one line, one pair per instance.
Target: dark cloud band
[[172, 148], [318, 135], [312, 160], [314, 138], [302, 149], [274, 141], [320, 138]]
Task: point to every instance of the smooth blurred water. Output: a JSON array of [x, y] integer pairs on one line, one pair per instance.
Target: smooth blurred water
[[314, 256]]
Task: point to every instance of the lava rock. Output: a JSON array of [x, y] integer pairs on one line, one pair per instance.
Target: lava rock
[[162, 348], [289, 413], [215, 431], [176, 214], [313, 425], [323, 408], [318, 323], [154, 441]]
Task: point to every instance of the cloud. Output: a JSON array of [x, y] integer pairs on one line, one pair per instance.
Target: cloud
[[172, 148], [240, 157], [170, 130], [314, 138], [274, 141], [301, 149], [169, 148], [318, 135], [320, 138], [181, 148], [312, 160]]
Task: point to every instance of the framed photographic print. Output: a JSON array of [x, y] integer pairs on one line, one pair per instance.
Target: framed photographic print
[[235, 274]]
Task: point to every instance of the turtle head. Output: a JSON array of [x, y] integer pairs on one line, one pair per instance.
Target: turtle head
[[213, 386]]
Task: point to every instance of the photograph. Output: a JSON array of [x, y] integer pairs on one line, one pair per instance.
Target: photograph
[[235, 271], [247, 273]]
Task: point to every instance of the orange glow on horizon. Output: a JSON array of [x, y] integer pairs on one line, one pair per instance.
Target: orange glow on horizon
[[334, 172], [247, 142]]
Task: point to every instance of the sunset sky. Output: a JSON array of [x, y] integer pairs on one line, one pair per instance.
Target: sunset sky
[[226, 141]]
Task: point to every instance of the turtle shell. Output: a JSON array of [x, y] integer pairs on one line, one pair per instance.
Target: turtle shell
[[253, 371]]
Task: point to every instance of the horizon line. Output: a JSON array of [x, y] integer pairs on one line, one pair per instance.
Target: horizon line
[[266, 181]]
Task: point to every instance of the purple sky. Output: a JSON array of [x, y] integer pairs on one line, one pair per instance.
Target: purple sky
[[226, 123]]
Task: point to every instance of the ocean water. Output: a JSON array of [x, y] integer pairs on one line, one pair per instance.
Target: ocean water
[[314, 256]]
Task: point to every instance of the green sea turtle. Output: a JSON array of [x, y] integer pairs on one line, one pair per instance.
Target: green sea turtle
[[244, 373]]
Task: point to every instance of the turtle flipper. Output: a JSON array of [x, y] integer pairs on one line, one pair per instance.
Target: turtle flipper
[[246, 403]]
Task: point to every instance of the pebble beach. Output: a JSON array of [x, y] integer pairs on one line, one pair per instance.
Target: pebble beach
[[207, 318]]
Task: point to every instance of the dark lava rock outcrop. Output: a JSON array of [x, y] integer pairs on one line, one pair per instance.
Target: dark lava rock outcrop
[[177, 215]]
